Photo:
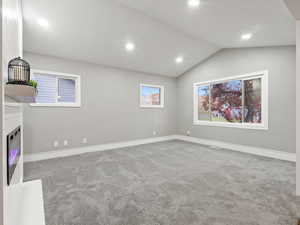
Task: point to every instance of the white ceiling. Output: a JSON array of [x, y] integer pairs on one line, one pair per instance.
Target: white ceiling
[[97, 30]]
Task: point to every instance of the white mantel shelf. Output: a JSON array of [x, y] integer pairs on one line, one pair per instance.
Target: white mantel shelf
[[20, 93]]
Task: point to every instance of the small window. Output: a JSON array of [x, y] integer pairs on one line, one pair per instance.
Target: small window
[[240, 102], [151, 96], [56, 89]]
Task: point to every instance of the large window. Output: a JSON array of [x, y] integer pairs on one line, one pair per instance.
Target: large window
[[239, 101], [56, 89]]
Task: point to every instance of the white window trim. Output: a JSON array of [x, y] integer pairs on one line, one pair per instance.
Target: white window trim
[[265, 83], [162, 96], [60, 75]]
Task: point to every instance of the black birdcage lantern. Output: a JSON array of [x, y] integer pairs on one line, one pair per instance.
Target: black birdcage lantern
[[18, 71]]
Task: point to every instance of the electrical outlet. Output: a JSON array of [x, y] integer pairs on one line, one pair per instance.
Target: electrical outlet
[[84, 140], [154, 133], [66, 142], [188, 133], [55, 144]]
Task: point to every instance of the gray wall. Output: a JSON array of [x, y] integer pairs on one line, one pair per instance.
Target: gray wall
[[281, 63], [110, 109]]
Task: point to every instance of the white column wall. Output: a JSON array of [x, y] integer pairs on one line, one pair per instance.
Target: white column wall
[[11, 46], [298, 108]]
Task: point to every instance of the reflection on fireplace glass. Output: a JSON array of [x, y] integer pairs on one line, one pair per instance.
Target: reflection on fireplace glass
[[13, 152]]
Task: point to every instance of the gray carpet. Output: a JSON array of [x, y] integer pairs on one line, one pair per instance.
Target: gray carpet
[[167, 183]]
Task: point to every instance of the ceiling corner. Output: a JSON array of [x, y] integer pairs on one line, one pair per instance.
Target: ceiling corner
[[294, 7]]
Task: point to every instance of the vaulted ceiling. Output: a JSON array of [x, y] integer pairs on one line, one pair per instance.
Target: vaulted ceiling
[[294, 6], [97, 31]]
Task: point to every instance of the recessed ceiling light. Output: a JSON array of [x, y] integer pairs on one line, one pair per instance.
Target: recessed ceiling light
[[43, 23], [247, 36], [179, 59], [130, 46], [193, 3]]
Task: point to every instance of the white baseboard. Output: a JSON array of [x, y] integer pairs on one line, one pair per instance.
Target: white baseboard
[[96, 148], [92, 148], [287, 156]]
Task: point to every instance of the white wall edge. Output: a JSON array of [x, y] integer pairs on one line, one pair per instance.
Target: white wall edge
[[93, 148], [270, 153]]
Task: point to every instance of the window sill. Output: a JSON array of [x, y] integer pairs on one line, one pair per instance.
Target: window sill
[[151, 106], [72, 105], [233, 125]]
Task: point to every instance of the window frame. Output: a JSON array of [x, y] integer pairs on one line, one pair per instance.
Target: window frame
[[58, 75], [264, 125], [162, 96]]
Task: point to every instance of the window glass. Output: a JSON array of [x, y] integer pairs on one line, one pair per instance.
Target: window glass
[[151, 95], [227, 101], [46, 89], [203, 102], [66, 90], [252, 104]]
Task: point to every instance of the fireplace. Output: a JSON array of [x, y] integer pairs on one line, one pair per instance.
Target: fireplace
[[13, 152]]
